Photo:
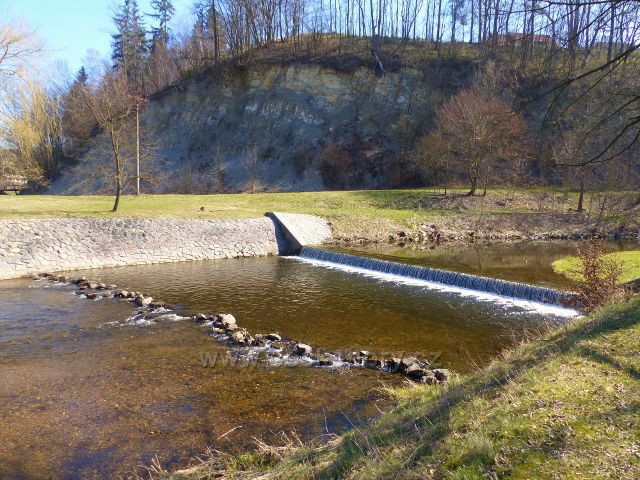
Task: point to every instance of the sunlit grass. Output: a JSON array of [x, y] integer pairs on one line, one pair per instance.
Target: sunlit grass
[[350, 212], [629, 263]]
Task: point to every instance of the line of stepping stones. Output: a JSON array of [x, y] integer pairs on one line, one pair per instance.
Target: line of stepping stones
[[224, 327]]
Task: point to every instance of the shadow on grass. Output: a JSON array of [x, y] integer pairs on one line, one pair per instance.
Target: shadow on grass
[[609, 361], [425, 432], [413, 200]]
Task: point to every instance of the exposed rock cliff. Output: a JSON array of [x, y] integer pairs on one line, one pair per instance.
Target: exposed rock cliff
[[282, 127]]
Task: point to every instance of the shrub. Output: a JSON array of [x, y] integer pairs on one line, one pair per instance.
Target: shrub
[[597, 277]]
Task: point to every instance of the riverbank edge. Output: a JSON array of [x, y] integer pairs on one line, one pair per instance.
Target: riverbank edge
[[542, 409], [487, 228], [35, 246]]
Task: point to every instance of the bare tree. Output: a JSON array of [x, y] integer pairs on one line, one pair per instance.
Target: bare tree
[[112, 106], [483, 136], [18, 48]]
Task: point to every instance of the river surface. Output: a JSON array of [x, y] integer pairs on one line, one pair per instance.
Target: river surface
[[85, 392], [526, 262]]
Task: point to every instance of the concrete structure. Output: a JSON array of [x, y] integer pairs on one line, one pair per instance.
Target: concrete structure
[[52, 245], [300, 230]]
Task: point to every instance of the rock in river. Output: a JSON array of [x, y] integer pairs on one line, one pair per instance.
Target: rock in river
[[429, 379], [407, 363], [373, 363], [393, 365], [415, 372], [302, 349], [143, 301], [226, 320], [442, 374]]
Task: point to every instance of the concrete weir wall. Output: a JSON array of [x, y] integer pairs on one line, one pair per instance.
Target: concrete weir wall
[[50, 245]]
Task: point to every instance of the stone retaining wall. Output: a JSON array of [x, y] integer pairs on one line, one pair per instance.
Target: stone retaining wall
[[49, 245]]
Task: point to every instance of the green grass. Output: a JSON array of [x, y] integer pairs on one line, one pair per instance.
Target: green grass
[[352, 213], [628, 261], [564, 405]]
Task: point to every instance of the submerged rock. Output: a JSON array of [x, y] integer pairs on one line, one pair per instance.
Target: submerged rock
[[273, 337]]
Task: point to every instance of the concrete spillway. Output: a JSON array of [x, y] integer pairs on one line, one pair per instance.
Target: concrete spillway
[[521, 291]]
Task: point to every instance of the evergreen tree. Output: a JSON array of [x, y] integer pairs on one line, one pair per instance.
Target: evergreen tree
[[130, 47], [76, 121], [81, 77], [163, 10]]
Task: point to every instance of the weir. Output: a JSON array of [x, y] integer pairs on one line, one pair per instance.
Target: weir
[[495, 286]]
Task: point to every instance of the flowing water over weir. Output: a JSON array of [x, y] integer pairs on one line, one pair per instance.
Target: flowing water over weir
[[495, 286]]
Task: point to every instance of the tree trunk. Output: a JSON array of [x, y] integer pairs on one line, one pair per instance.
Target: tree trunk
[[438, 33], [474, 187], [118, 166], [216, 46], [137, 149], [118, 192], [581, 197]]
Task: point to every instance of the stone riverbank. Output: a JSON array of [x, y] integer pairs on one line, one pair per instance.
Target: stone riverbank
[[34, 246]]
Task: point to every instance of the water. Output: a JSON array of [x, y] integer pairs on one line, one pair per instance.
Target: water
[[475, 283], [84, 393], [526, 262]]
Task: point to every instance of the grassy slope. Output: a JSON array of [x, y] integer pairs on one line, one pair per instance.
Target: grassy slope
[[563, 406], [352, 213], [629, 261]]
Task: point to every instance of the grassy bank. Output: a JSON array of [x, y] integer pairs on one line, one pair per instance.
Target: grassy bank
[[561, 406], [371, 214], [629, 262]]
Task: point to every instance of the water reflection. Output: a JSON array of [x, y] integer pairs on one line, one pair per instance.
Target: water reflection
[[83, 396]]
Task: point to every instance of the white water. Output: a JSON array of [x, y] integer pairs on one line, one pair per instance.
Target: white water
[[541, 308]]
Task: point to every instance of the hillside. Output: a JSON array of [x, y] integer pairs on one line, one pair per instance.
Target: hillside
[[285, 125], [542, 411]]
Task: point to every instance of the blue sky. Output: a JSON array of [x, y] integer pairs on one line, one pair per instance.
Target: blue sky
[[71, 28]]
